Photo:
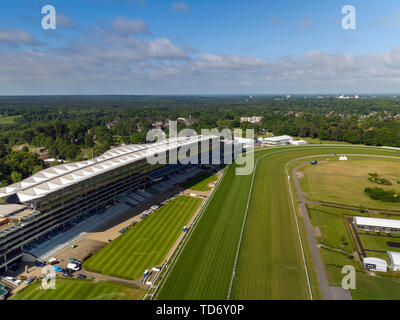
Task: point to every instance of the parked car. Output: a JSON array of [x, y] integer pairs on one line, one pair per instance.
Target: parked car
[[67, 275], [74, 266], [29, 280], [81, 276]]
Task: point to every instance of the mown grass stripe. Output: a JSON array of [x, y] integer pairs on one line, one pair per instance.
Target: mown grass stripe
[[146, 244]]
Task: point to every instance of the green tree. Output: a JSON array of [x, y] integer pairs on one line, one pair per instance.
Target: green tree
[[16, 176]]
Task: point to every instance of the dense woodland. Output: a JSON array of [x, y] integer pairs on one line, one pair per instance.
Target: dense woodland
[[79, 127]]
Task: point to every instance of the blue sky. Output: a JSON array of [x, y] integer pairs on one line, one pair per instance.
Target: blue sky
[[199, 47]]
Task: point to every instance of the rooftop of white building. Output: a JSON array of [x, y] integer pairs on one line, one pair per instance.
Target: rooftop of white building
[[376, 222], [54, 178], [278, 138]]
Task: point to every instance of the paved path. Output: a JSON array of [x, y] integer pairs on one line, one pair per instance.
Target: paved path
[[348, 207], [319, 266], [98, 276]]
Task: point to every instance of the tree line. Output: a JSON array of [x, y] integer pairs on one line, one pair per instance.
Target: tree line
[[74, 128]]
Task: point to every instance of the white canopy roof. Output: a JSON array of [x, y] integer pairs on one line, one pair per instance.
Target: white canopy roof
[[394, 257], [278, 138], [375, 222], [55, 178], [376, 261]]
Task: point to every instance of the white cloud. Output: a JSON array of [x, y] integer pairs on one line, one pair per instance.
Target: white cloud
[[180, 6], [16, 37], [108, 61], [65, 21], [227, 61], [125, 25]]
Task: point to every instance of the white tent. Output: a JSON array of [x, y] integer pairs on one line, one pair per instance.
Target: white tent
[[375, 264], [342, 158], [394, 260]]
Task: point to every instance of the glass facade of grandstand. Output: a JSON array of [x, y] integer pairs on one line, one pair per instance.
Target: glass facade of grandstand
[[56, 210]]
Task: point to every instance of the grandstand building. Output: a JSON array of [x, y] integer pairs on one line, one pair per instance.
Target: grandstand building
[[52, 199]]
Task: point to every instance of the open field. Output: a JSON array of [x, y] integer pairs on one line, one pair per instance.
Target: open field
[[333, 232], [334, 235], [201, 182], [344, 181], [146, 244], [8, 120], [270, 264], [74, 289], [31, 148]]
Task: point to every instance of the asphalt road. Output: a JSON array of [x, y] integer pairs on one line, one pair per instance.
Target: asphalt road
[[319, 266], [328, 293]]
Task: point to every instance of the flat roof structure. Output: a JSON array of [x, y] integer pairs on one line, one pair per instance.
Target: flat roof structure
[[55, 178], [376, 222], [7, 210], [278, 138], [394, 260], [372, 263]]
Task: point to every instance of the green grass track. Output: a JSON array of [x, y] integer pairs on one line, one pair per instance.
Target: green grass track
[[204, 267], [270, 264]]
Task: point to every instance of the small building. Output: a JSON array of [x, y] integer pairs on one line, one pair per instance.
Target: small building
[[377, 225], [394, 260], [253, 119], [375, 264], [278, 140], [299, 142]]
